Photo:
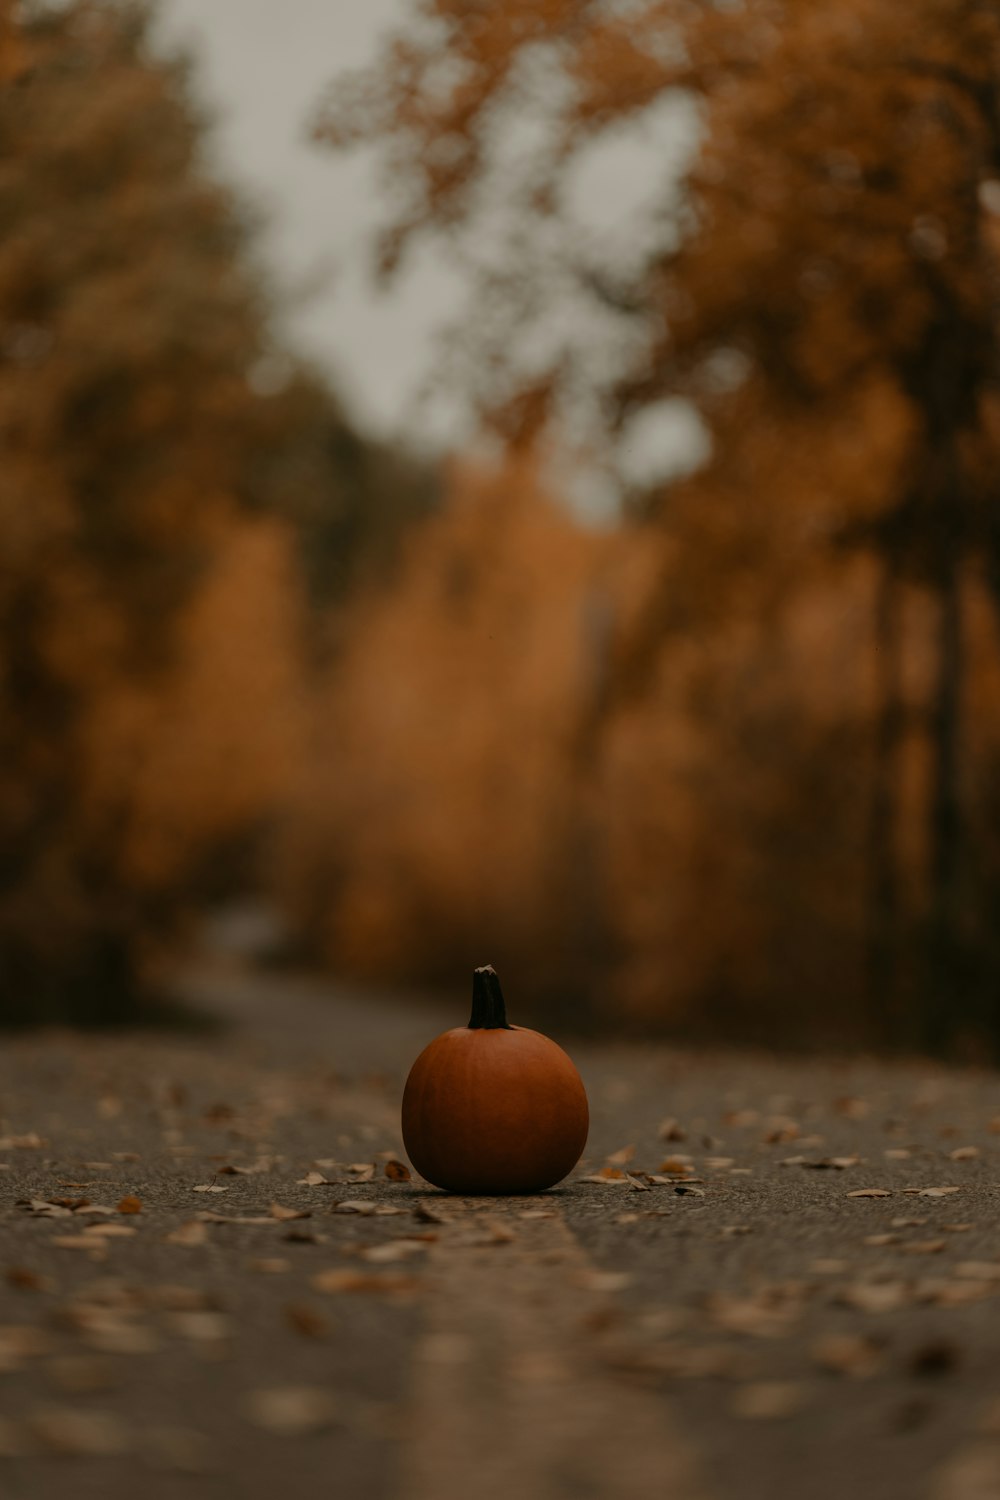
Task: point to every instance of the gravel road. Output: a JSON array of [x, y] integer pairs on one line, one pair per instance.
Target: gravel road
[[806, 1304]]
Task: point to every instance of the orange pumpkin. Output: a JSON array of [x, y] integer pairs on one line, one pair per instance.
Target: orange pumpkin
[[493, 1108]]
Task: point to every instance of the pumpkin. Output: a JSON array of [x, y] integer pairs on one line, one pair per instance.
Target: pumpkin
[[493, 1108]]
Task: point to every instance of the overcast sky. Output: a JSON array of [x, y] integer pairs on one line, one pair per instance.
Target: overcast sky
[[262, 67]]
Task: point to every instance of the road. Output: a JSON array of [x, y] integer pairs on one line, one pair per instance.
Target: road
[[748, 1328]]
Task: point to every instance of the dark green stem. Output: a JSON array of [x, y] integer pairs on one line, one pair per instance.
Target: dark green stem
[[488, 1010]]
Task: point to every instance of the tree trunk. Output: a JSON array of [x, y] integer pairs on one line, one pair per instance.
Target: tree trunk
[[944, 986], [883, 884]]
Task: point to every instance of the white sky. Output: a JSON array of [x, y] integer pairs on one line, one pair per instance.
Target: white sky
[[261, 68]]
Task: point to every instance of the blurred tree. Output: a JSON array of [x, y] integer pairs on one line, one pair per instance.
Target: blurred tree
[[143, 408], [824, 290]]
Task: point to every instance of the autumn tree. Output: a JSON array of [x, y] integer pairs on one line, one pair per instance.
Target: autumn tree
[[145, 408], [821, 285]]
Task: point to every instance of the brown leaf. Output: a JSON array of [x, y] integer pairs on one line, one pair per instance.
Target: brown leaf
[[210, 1187], [277, 1211], [129, 1205], [848, 1354], [29, 1142], [671, 1130], [336, 1282], [191, 1233], [768, 1400], [208, 1217], [925, 1247], [79, 1434], [875, 1296], [397, 1171], [679, 1165], [685, 1190], [306, 1320], [870, 1193], [621, 1157], [292, 1411], [934, 1192], [110, 1231], [636, 1183], [428, 1215], [24, 1279], [964, 1153], [393, 1250]]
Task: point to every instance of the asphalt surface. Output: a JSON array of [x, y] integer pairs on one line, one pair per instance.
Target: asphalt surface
[[741, 1330]]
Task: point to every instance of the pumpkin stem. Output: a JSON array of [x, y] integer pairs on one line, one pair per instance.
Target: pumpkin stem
[[489, 1013]]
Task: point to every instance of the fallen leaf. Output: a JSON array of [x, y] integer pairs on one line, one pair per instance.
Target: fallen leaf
[[636, 1183], [852, 1108], [671, 1130], [282, 1214], [874, 1296], [848, 1354], [678, 1165], [201, 1326], [925, 1247], [394, 1250], [363, 1206], [781, 1129], [870, 1193], [208, 1217], [24, 1279], [957, 1293], [879, 1241], [428, 1215], [79, 1433], [978, 1270], [397, 1171], [687, 1191], [359, 1281], [603, 1281], [110, 1231], [897, 1153], [129, 1205], [934, 1192], [269, 1265], [316, 1179], [191, 1233], [964, 1153], [610, 1177], [621, 1157], [306, 1320], [767, 1315], [292, 1411], [29, 1142], [79, 1374], [768, 1400], [80, 1242]]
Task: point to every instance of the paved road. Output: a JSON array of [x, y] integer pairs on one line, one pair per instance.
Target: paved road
[[758, 1333]]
